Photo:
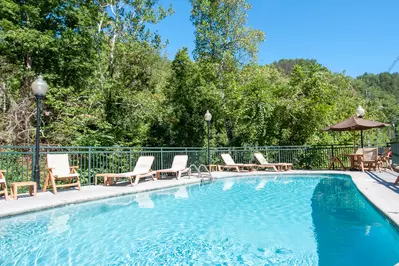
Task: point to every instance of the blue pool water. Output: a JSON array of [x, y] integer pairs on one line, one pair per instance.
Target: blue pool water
[[285, 220]]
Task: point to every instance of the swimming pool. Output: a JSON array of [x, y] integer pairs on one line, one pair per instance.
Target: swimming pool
[[288, 220]]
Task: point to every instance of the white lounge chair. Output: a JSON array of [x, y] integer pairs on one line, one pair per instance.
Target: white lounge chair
[[263, 162], [142, 169], [179, 167], [230, 164], [58, 169]]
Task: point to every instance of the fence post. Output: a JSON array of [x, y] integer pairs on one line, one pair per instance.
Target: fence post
[[162, 158], [130, 159], [306, 158], [332, 155], [89, 167]]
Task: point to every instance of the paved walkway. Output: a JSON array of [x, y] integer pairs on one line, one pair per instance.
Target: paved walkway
[[377, 187]]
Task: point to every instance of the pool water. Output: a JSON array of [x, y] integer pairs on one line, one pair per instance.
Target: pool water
[[282, 220]]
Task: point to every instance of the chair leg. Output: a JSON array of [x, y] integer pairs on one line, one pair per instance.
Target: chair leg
[[137, 179], [341, 164], [5, 193], [331, 164], [54, 185], [78, 181], [15, 192], [46, 183]]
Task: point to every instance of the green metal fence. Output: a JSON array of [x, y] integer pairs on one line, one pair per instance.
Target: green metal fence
[[19, 160]]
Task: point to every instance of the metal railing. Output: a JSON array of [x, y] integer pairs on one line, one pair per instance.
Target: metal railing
[[19, 160]]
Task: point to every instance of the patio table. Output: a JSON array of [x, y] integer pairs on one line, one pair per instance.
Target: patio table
[[353, 158]]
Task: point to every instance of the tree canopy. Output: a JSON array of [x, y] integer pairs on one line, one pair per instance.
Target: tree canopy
[[111, 83]]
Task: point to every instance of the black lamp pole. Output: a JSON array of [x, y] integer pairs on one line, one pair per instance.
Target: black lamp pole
[[208, 118], [37, 149], [39, 88], [209, 136]]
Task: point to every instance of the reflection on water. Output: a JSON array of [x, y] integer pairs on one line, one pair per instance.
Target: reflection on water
[[261, 184], [144, 200], [227, 184], [367, 230], [181, 193], [178, 193], [349, 230], [58, 224]]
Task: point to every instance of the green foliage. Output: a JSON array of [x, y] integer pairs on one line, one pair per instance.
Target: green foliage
[[111, 84], [220, 29]]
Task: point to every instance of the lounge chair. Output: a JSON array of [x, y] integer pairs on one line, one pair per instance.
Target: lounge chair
[[179, 167], [142, 169], [230, 164], [58, 169], [3, 184], [369, 159], [263, 162]]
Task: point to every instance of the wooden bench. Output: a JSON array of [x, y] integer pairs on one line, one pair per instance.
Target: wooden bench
[[30, 184], [213, 168], [107, 178]]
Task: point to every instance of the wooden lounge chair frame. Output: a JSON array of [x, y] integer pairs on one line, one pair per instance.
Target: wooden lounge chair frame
[[277, 166], [230, 164], [136, 174], [60, 173], [335, 159], [179, 167], [3, 184]]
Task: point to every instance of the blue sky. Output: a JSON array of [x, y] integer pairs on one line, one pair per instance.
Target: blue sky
[[355, 36]]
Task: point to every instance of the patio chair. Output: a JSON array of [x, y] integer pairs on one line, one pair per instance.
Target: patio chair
[[58, 169], [230, 164], [142, 169], [278, 166], [179, 167], [369, 159], [384, 158], [335, 159], [3, 184]]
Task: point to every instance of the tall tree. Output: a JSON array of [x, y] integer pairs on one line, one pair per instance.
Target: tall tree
[[223, 40], [221, 28]]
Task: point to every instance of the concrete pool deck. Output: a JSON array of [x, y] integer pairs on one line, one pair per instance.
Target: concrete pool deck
[[377, 187]]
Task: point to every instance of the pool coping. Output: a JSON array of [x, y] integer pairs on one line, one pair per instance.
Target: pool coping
[[383, 199]]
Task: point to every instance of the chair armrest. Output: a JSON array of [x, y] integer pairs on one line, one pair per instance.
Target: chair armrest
[[75, 167]]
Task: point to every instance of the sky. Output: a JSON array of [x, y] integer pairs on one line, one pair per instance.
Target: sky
[[355, 36]]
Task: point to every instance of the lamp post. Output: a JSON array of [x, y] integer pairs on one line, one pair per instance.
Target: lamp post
[[39, 88], [208, 118], [360, 114]]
